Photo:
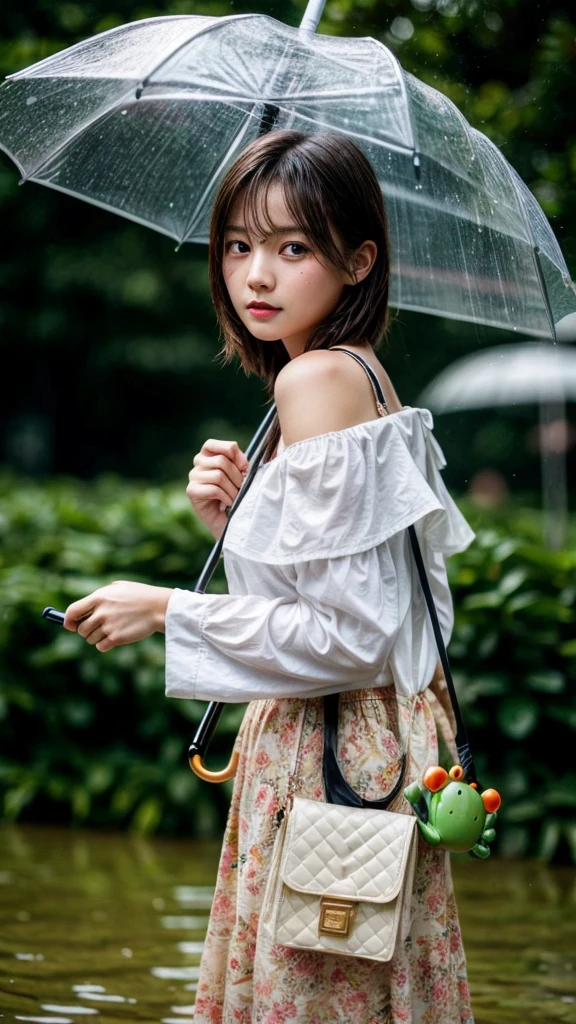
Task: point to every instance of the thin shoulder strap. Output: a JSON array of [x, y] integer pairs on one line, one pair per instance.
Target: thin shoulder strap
[[337, 789], [376, 386]]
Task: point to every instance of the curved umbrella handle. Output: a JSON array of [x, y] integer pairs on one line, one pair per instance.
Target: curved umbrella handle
[[198, 768], [198, 747]]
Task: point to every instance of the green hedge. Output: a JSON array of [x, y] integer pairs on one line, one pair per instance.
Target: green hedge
[[91, 739], [514, 657]]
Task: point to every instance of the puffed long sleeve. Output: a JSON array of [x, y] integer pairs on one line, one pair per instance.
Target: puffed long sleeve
[[333, 633]]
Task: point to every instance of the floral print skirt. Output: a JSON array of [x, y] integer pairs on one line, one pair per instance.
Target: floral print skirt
[[247, 979]]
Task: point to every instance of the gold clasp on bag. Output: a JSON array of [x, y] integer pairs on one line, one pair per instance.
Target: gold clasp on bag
[[336, 916]]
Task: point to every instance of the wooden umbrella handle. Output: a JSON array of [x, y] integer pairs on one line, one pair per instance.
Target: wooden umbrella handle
[[227, 773]]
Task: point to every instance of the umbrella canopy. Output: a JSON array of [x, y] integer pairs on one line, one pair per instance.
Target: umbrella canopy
[[512, 375], [504, 375], [145, 119]]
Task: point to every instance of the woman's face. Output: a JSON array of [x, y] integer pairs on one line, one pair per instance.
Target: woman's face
[[281, 271]]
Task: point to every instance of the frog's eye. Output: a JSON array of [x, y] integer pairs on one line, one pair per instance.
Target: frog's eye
[[456, 773]]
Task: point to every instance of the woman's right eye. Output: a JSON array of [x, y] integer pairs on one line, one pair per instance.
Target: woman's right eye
[[236, 241]]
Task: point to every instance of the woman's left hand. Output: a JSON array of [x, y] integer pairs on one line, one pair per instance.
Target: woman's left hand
[[120, 613]]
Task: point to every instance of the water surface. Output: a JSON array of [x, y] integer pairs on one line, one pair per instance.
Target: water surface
[[109, 928]]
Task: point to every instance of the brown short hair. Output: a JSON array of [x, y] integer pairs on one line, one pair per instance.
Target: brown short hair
[[327, 181]]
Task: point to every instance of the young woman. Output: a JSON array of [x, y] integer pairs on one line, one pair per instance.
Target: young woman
[[323, 594]]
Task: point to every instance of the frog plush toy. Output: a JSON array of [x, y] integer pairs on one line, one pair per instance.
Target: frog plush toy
[[452, 814]]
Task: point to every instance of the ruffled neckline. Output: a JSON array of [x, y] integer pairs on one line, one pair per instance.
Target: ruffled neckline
[[320, 439], [345, 491]]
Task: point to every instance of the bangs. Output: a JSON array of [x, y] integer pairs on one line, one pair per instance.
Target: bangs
[[304, 202]]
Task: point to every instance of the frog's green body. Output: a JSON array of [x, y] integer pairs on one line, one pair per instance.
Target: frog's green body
[[455, 816]]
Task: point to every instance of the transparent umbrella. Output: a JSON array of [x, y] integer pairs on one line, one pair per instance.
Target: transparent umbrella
[[509, 375], [145, 119]]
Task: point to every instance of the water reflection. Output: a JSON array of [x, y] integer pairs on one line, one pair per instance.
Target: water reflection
[[111, 928]]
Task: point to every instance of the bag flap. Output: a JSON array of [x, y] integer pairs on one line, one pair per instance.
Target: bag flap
[[348, 852]]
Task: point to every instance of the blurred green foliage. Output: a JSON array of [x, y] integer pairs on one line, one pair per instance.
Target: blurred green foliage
[[91, 738], [82, 738], [513, 654]]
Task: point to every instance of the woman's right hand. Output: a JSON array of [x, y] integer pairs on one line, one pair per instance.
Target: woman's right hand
[[219, 471]]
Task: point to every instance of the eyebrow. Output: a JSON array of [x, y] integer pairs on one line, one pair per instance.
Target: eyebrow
[[286, 230]]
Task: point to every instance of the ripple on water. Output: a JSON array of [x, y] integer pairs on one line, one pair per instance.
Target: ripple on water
[[194, 896], [176, 973], [190, 948], [104, 997], [47, 1020], [185, 922], [68, 1009]]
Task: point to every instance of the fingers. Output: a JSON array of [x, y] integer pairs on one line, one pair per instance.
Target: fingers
[[77, 612], [91, 629], [217, 477], [198, 491], [218, 464], [83, 616], [229, 449], [100, 639], [96, 636], [218, 474]]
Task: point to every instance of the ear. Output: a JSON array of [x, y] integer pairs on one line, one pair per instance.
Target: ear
[[362, 261]]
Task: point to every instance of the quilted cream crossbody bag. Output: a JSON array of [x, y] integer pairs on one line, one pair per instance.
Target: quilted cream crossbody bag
[[341, 880]]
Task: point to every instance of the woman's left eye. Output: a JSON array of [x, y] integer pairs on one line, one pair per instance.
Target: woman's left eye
[[296, 245]]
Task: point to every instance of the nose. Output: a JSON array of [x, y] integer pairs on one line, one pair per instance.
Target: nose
[[260, 274]]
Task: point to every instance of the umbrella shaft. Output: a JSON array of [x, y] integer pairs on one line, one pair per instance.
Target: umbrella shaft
[[312, 16]]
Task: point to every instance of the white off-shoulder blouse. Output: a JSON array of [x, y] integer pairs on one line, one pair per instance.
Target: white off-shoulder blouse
[[324, 595]]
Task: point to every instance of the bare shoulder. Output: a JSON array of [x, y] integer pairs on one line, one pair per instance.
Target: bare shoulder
[[320, 391]]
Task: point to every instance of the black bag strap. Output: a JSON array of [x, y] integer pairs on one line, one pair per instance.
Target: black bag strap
[[337, 789]]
